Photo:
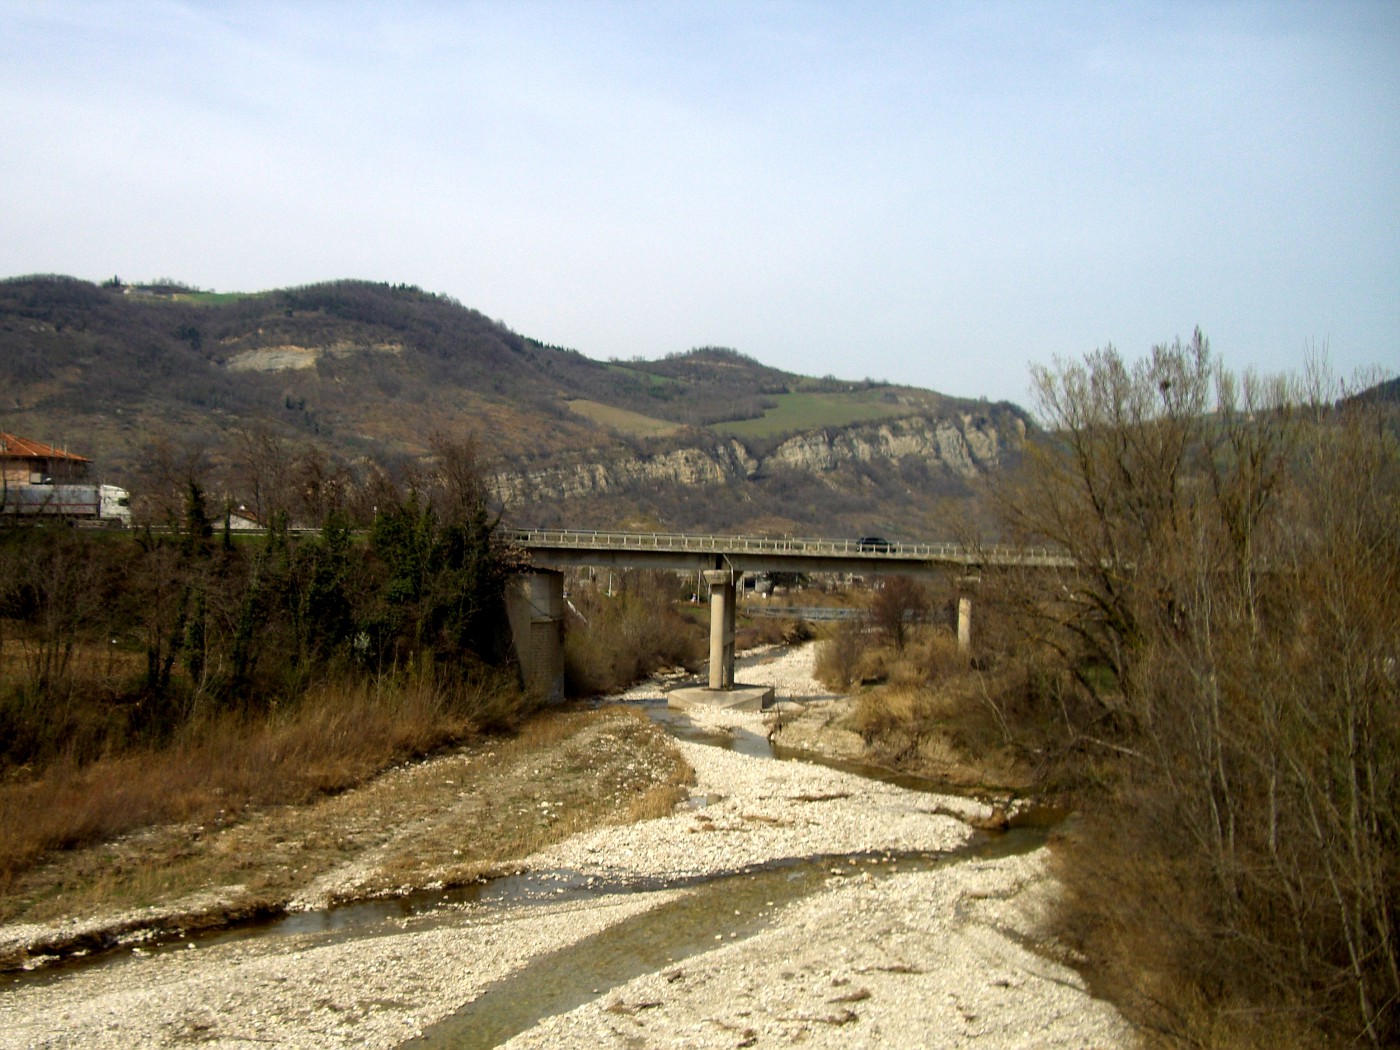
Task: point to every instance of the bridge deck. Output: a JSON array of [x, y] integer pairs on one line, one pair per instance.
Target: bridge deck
[[570, 547]]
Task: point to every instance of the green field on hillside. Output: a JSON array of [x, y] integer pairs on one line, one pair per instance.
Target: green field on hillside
[[804, 411], [646, 378]]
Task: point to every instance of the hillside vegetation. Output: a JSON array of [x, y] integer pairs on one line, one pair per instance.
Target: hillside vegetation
[[811, 410], [328, 378]]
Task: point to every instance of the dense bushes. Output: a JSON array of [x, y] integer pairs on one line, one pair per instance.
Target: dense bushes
[[116, 639], [1232, 629], [614, 640], [1215, 681], [113, 643]]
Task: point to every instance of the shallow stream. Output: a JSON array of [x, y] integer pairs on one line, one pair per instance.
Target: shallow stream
[[715, 909], [720, 909]]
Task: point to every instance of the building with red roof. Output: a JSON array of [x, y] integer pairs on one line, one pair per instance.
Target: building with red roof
[[26, 462]]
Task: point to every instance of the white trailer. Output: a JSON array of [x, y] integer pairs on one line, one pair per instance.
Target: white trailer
[[79, 503]]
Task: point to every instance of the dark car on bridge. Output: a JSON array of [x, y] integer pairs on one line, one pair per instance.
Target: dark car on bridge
[[877, 544]]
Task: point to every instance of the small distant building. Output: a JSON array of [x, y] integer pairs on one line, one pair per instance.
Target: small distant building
[[241, 519], [26, 462]]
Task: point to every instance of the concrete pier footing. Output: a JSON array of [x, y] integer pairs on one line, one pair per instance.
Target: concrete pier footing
[[721, 692], [737, 698]]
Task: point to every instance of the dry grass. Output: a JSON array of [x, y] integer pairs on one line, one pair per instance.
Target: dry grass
[[91, 661], [623, 421], [473, 811], [925, 709], [219, 766]]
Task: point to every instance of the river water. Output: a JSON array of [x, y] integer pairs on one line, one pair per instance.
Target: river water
[[718, 909], [714, 909]]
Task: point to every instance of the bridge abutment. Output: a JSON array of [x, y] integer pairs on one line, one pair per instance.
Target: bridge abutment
[[535, 609]]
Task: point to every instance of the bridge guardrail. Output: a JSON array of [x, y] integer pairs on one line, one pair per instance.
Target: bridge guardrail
[[796, 547], [584, 539]]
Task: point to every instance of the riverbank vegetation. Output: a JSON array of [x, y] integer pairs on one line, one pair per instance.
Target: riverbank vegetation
[[1231, 641], [186, 675], [924, 707], [1217, 682], [625, 626], [467, 813]]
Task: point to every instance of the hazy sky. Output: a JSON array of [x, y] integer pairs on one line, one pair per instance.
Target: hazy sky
[[931, 193]]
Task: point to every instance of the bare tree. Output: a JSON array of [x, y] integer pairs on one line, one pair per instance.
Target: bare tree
[[455, 477], [322, 486], [898, 602], [1236, 575], [168, 464], [263, 470]]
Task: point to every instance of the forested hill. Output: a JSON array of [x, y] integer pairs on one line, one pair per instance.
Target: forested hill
[[351, 373]]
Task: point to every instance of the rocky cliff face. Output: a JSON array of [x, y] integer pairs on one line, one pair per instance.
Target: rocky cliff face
[[964, 446], [715, 465]]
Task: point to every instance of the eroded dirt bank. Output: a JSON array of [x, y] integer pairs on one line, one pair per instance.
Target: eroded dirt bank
[[478, 809], [874, 954]]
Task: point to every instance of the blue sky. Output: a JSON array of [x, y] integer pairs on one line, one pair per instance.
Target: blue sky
[[934, 194]]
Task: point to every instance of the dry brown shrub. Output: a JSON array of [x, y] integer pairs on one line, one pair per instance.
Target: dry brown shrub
[[332, 740], [890, 712], [838, 655], [938, 654], [1121, 901], [770, 630], [660, 801], [614, 642], [1230, 624]]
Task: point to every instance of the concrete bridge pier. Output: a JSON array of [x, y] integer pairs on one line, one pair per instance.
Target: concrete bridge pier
[[535, 609], [965, 585], [722, 600], [722, 692]]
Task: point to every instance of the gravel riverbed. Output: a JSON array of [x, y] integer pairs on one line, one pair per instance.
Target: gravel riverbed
[[916, 957]]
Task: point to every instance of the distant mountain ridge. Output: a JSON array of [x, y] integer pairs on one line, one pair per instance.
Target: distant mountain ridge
[[710, 438]]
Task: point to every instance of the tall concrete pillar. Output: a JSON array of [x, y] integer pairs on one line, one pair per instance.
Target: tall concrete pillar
[[964, 623], [535, 608], [721, 628]]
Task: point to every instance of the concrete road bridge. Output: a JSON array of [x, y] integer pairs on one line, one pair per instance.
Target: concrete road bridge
[[558, 548], [723, 560]]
